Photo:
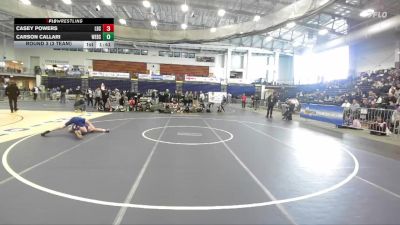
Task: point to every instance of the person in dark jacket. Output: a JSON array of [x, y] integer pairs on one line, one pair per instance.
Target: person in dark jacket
[[12, 92], [271, 101]]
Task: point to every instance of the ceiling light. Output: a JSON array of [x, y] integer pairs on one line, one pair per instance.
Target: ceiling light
[[14, 61], [256, 18], [98, 8], [221, 12], [367, 12], [213, 29], [122, 21], [68, 2], [146, 4], [184, 7], [290, 25], [184, 26], [241, 32], [153, 23], [107, 2], [323, 32], [26, 2], [268, 38]]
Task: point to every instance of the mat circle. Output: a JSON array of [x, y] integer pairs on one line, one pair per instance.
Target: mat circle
[[144, 134]]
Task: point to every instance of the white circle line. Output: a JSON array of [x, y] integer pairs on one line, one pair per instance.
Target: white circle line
[[177, 208], [187, 143]]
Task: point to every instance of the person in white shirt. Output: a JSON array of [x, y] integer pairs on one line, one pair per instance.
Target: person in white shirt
[[35, 93], [201, 97], [346, 104]]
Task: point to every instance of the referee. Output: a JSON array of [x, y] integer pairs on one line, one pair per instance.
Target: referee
[[12, 92]]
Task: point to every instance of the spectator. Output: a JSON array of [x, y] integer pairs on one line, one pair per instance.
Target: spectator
[[346, 104], [12, 92], [271, 101], [354, 106], [89, 97], [62, 94], [244, 98], [201, 97], [35, 91], [79, 104], [97, 97]]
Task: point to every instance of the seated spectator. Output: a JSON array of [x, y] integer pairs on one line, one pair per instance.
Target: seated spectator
[[131, 104], [346, 104], [355, 105], [395, 121], [79, 104], [378, 127]]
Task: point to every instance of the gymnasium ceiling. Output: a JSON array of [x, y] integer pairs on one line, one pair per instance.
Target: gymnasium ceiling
[[337, 17]]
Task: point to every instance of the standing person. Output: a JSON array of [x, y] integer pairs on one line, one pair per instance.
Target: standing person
[[35, 91], [271, 101], [62, 94], [244, 98], [79, 126], [104, 97], [12, 92], [186, 98], [89, 97], [202, 97], [97, 97], [190, 96]]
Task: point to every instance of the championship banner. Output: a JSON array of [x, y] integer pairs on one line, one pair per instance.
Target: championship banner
[[324, 113], [168, 77], [155, 77], [238, 81], [216, 97], [109, 74], [144, 77], [202, 79]]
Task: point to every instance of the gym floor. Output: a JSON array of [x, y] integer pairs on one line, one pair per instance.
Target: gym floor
[[213, 168]]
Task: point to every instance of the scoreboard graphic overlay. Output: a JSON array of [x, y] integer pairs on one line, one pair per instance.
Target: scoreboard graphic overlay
[[64, 32]]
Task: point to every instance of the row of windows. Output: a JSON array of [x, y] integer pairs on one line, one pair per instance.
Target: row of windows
[[139, 52], [108, 50], [177, 54], [130, 51]]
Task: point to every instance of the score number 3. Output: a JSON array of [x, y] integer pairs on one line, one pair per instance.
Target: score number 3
[[108, 27]]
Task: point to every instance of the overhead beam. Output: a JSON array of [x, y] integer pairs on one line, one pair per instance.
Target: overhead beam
[[319, 27]]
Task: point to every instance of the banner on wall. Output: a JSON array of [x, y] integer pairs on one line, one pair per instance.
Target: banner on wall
[[324, 113], [155, 77], [202, 79], [109, 74], [216, 97], [238, 81]]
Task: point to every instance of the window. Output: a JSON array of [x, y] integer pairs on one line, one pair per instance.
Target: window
[[170, 54], [192, 55], [184, 54], [177, 54], [162, 53], [136, 51], [145, 52]]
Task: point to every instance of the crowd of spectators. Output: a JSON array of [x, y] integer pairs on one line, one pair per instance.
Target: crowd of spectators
[[379, 89]]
